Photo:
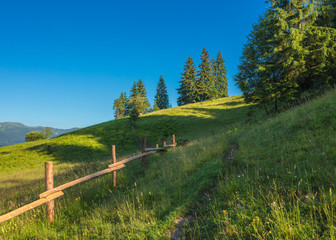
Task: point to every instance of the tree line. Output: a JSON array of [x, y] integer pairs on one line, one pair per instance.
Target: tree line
[[137, 103], [207, 82], [290, 53]]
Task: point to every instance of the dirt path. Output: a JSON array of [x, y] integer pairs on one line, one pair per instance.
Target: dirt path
[[181, 223]]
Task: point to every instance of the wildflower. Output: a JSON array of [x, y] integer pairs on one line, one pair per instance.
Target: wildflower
[[256, 218], [299, 192], [91, 228], [270, 231], [138, 233], [224, 211], [77, 199], [307, 196]]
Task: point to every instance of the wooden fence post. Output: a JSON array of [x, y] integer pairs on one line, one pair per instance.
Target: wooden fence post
[[49, 180], [157, 146], [143, 163], [114, 160], [164, 143], [173, 141]]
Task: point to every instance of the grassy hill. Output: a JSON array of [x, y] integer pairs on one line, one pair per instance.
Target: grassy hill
[[94, 143], [240, 177]]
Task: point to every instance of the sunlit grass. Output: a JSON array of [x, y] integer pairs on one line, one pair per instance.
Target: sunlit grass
[[278, 185]]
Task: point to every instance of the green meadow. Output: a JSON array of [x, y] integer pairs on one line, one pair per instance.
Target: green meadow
[[241, 175]]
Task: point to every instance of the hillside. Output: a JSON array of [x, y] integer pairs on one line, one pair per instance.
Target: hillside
[[94, 143], [14, 132], [240, 176]]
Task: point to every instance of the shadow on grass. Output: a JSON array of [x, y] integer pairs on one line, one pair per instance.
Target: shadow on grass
[[232, 103]]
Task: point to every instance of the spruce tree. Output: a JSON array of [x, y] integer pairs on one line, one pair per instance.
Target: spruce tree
[[120, 105], [204, 78], [326, 13], [187, 90], [155, 107], [141, 89], [134, 90], [138, 102], [138, 106], [211, 85], [220, 79], [161, 97], [287, 54]]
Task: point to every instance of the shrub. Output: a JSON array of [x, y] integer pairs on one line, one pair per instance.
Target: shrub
[[33, 136]]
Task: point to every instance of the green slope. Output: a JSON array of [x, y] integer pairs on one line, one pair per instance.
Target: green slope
[[240, 177], [94, 143]]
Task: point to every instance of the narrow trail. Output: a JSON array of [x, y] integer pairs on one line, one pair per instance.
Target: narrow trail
[[231, 154], [182, 223]]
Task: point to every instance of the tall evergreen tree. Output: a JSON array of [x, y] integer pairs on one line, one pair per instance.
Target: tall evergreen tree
[[138, 102], [187, 90], [138, 106], [119, 106], [134, 90], [203, 84], [287, 53], [161, 97], [220, 79], [141, 89], [327, 13], [138, 88]]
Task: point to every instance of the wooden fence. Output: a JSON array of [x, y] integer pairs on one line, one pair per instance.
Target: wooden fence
[[52, 192]]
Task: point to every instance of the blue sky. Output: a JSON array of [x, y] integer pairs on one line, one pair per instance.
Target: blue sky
[[62, 63]]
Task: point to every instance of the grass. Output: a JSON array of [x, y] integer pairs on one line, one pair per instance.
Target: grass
[[281, 182], [88, 150], [278, 183]]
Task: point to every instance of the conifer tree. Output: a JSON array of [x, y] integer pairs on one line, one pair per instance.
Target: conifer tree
[[220, 79], [119, 106], [155, 107], [138, 106], [138, 88], [138, 103], [161, 97], [141, 89], [287, 53], [204, 78], [326, 13], [211, 85], [187, 90], [134, 90]]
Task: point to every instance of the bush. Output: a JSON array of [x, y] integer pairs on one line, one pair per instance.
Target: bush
[[33, 136]]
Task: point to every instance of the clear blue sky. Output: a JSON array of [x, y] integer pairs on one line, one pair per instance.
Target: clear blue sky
[[62, 63]]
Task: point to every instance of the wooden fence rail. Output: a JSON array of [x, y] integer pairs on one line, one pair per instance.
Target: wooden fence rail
[[52, 193]]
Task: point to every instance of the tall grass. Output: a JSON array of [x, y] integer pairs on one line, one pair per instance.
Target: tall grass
[[278, 183], [281, 182], [144, 205]]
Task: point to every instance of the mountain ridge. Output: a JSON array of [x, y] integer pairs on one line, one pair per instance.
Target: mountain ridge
[[14, 132]]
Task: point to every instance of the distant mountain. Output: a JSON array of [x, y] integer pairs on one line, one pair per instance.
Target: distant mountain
[[14, 132]]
